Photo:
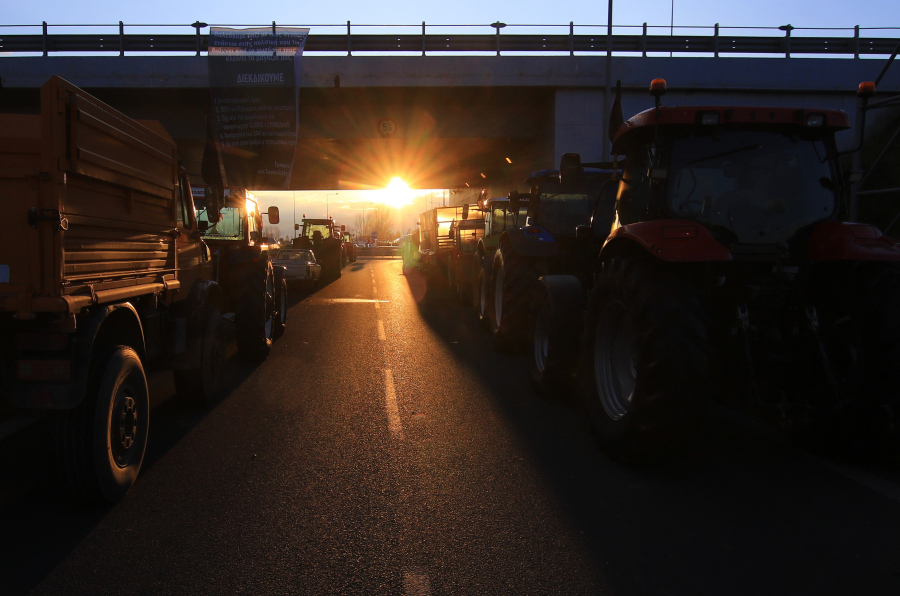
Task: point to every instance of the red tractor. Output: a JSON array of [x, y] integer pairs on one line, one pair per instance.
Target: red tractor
[[734, 268]]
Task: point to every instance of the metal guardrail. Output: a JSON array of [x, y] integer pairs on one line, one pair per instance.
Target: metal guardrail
[[784, 43]]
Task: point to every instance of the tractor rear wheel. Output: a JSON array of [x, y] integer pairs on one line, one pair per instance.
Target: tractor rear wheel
[[254, 312], [513, 283], [645, 366], [199, 385]]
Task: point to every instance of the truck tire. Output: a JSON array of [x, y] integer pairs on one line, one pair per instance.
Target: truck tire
[[253, 316], [512, 282], [645, 364], [199, 385], [100, 444], [281, 307]]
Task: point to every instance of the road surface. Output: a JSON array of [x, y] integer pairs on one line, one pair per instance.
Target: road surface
[[384, 448]]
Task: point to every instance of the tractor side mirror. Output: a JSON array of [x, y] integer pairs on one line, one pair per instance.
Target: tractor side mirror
[[296, 226], [274, 216], [213, 204], [569, 169], [513, 201]]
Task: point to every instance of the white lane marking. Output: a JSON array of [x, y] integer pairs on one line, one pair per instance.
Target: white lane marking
[[344, 300], [415, 582], [390, 403], [377, 305], [381, 334]]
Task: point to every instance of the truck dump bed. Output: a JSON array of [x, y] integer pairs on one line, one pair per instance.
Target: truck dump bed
[[89, 205]]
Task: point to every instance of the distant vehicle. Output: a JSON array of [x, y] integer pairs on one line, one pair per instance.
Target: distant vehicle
[[300, 266]]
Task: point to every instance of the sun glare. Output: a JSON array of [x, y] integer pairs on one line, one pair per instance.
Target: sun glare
[[397, 193]]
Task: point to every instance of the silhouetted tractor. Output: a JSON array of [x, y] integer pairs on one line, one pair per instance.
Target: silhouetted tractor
[[734, 267], [255, 290], [323, 237]]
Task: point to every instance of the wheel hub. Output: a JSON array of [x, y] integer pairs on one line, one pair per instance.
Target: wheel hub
[[123, 428]]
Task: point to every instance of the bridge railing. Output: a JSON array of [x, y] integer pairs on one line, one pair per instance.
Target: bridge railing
[[46, 39]]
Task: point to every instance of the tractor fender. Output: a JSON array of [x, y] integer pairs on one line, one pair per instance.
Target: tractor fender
[[566, 298], [532, 241], [848, 241], [679, 240]]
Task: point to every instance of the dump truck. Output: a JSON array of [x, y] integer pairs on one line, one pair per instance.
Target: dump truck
[[734, 268], [255, 289], [439, 243], [103, 275]]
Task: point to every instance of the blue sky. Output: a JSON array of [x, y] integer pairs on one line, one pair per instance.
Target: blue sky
[[800, 13]]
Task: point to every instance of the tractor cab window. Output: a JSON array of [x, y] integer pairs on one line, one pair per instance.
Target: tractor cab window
[[634, 188], [230, 225], [562, 208], [317, 231], [756, 187]]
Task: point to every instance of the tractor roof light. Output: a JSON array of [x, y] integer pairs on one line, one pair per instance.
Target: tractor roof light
[[866, 89], [658, 87], [709, 118], [815, 119]]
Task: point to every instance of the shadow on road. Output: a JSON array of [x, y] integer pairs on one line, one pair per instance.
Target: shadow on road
[[40, 527]]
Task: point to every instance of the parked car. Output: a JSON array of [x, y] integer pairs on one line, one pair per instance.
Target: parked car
[[301, 266]]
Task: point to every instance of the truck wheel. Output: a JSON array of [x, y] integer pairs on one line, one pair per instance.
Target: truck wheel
[[253, 318], [645, 366], [199, 385], [281, 307], [513, 281], [100, 444]]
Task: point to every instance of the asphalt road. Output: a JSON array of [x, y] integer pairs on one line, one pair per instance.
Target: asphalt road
[[384, 448]]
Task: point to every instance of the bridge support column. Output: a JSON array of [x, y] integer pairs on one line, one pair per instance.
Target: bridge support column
[[578, 124]]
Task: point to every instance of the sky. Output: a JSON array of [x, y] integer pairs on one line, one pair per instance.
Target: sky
[[687, 13]]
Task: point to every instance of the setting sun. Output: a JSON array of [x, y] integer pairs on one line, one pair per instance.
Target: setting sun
[[397, 193]]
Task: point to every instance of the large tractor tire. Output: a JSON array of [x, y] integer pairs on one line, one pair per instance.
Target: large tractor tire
[[254, 304], [645, 364], [281, 308], [100, 444], [199, 385], [862, 336], [556, 327], [482, 294], [513, 282]]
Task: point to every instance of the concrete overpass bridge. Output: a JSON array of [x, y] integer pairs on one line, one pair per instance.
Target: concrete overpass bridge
[[456, 118]]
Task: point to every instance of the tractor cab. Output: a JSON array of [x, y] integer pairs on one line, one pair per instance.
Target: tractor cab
[[560, 208], [751, 175]]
